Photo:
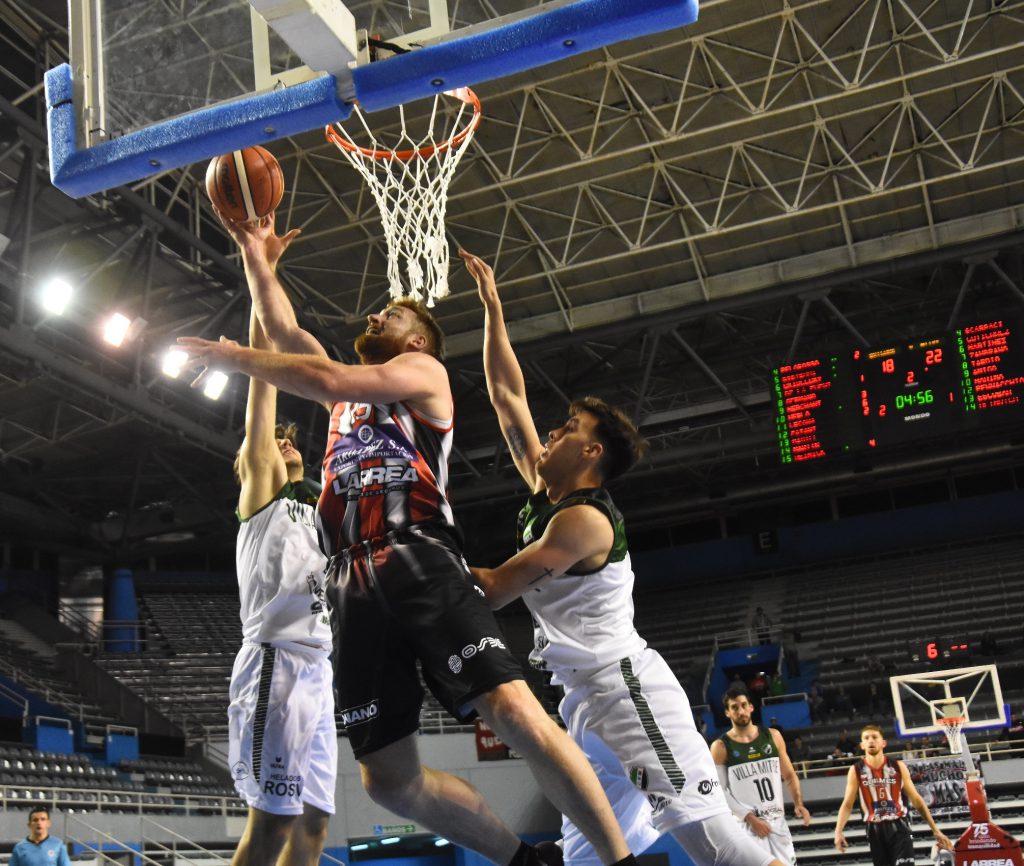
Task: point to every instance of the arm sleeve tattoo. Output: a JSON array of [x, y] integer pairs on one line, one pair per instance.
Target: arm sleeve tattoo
[[516, 441]]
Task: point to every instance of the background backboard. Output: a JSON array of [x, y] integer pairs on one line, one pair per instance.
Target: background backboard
[[971, 691], [153, 86]]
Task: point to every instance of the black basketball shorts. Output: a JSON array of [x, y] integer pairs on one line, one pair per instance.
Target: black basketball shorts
[[406, 597], [891, 843]]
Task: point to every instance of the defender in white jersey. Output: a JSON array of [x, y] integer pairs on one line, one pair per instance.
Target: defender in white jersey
[[282, 742], [622, 703], [753, 765]]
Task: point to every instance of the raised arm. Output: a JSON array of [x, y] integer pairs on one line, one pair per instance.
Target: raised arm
[[845, 808], [505, 384], [790, 778], [261, 251], [917, 801], [260, 465], [415, 377], [575, 534]]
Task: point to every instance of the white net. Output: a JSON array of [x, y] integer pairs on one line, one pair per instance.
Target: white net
[[409, 180], [952, 728]]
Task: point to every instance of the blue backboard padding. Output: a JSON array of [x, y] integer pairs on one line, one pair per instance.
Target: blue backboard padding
[[501, 51], [515, 47], [181, 140]]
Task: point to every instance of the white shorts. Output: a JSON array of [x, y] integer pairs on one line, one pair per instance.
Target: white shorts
[[282, 743], [633, 721], [779, 844]]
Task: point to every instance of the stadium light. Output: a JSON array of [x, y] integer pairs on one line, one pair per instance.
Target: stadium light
[[174, 362], [391, 840], [55, 295], [119, 328], [214, 387]]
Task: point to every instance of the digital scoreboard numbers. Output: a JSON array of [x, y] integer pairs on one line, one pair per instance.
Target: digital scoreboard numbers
[[969, 379], [812, 409], [991, 360], [909, 391]]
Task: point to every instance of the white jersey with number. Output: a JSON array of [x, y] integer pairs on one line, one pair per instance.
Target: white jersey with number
[[281, 574], [755, 775]]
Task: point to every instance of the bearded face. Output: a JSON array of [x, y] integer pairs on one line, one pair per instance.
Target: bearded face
[[377, 348]]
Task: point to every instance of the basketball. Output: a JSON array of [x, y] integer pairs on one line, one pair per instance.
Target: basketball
[[246, 184]]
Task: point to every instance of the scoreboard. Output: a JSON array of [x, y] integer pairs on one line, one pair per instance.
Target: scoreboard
[[862, 399]]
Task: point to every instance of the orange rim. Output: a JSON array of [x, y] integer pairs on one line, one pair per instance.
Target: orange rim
[[462, 93]]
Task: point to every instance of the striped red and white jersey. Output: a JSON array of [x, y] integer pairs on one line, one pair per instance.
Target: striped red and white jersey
[[386, 467], [881, 791]]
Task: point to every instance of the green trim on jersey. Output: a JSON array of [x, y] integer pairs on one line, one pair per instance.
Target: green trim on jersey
[[762, 746], [306, 492], [535, 516]]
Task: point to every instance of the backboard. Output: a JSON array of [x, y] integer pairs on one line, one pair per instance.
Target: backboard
[[974, 693], [154, 85]]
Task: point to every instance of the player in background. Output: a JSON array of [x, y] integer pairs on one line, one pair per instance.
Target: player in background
[[752, 765], [882, 784], [282, 742], [622, 704], [400, 591]]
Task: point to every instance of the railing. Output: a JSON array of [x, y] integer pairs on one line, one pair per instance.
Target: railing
[[178, 842], [992, 751], [9, 694], [67, 702], [114, 800]]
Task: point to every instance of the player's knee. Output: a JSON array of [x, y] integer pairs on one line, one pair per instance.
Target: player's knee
[[514, 713], [313, 825], [269, 830], [393, 791]]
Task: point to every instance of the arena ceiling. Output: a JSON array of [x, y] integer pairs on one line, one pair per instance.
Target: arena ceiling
[[668, 219]]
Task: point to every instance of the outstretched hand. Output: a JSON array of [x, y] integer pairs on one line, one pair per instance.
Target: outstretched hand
[[258, 236], [484, 276], [222, 354]]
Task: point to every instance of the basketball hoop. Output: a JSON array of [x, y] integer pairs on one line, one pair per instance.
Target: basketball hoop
[[409, 181], [951, 727]]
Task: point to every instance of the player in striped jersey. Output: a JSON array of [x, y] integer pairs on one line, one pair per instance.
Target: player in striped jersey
[[622, 704], [400, 591], [882, 784]]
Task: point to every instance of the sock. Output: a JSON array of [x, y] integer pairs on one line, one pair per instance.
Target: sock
[[628, 860]]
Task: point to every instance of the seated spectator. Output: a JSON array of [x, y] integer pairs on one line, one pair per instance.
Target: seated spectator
[[798, 750], [845, 744], [874, 665], [815, 705]]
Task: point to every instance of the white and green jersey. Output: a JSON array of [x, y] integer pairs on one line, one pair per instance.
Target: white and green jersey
[[754, 775], [582, 621], [281, 572]]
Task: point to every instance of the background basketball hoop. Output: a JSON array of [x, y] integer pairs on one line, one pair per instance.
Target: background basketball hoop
[[951, 727], [409, 180]]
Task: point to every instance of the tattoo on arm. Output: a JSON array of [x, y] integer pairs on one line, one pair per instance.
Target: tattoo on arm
[[516, 441], [547, 573]]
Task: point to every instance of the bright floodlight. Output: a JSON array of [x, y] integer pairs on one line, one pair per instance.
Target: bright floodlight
[[391, 840], [55, 295], [174, 362], [116, 329], [440, 843], [215, 382]]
